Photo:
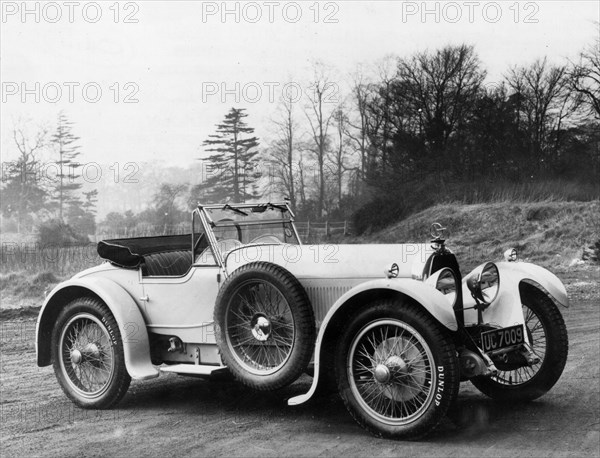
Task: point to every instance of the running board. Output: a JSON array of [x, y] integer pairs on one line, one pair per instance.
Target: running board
[[193, 369]]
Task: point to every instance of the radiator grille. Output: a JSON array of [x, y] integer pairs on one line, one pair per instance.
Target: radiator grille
[[323, 297]]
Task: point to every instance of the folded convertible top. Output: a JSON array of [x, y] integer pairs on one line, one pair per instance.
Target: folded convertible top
[[131, 252]]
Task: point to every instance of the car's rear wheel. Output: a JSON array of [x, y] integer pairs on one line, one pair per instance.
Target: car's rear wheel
[[264, 325], [87, 354], [396, 370]]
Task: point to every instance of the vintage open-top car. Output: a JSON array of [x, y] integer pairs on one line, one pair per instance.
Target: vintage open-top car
[[395, 327]]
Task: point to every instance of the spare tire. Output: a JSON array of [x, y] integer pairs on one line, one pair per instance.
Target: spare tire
[[264, 326]]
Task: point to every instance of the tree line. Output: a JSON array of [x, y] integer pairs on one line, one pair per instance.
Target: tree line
[[420, 122], [407, 131]]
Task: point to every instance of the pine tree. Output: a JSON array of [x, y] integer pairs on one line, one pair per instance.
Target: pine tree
[[91, 200], [67, 168], [232, 169]]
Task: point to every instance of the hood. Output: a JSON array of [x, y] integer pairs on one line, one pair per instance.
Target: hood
[[336, 261]]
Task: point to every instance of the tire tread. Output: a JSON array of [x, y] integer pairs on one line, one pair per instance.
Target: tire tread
[[552, 367], [305, 320], [447, 353], [122, 379]]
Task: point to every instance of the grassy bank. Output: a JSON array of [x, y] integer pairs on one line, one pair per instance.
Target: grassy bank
[[412, 197], [551, 233]]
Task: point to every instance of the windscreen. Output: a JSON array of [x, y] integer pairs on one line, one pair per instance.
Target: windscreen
[[253, 224]]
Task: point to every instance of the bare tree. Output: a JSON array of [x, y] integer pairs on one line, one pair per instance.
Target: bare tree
[[356, 122], [544, 101], [374, 102], [339, 158], [165, 203], [282, 150], [23, 192], [585, 77], [440, 90], [322, 98], [301, 181]]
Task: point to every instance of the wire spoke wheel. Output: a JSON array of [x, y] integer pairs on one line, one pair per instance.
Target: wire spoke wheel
[[547, 335], [260, 327], [86, 355], [536, 334], [264, 326], [396, 369], [390, 368]]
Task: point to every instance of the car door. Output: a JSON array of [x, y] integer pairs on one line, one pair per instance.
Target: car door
[[182, 306]]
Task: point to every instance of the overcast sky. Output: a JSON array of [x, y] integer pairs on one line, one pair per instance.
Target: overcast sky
[[173, 59]]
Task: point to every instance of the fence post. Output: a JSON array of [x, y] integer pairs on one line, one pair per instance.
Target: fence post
[[327, 228], [345, 227]]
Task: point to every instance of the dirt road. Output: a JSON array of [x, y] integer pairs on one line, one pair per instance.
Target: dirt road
[[181, 416]]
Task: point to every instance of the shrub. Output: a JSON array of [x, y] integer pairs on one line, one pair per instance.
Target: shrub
[[58, 233], [377, 214], [45, 278]]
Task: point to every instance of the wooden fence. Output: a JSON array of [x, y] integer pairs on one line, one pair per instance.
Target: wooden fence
[[308, 231]]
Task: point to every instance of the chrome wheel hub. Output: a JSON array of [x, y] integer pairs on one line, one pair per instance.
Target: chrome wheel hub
[[382, 373], [261, 328], [91, 353], [394, 366], [76, 357]]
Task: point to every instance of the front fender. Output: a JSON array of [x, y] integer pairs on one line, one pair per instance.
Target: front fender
[[426, 296], [505, 310], [136, 347], [526, 271]]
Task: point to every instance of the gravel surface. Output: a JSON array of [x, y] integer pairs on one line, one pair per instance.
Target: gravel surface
[[182, 416]]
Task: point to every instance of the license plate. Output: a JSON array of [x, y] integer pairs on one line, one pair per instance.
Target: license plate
[[502, 338]]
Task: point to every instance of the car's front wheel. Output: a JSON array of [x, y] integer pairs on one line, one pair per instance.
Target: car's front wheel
[[547, 335], [396, 369], [87, 354]]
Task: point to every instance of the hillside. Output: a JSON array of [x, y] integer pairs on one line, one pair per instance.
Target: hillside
[[551, 233]]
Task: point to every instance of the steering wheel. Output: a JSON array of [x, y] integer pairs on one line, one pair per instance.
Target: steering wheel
[[267, 238]]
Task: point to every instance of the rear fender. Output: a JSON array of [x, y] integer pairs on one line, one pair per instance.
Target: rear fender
[[131, 323], [422, 294]]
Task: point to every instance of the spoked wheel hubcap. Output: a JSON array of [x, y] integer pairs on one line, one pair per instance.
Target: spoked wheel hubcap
[[390, 368], [87, 357], [260, 327]]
